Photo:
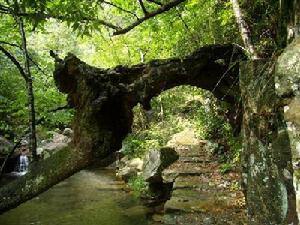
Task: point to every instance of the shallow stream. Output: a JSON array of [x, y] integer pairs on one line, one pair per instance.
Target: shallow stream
[[90, 197]]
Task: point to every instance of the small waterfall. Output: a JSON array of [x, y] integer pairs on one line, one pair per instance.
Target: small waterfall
[[22, 164]]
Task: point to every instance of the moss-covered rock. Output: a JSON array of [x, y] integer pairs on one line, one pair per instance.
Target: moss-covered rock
[[288, 88], [266, 158], [287, 78]]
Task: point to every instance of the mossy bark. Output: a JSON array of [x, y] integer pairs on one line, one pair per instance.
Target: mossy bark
[[266, 158]]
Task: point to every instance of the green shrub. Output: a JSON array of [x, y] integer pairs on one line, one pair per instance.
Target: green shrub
[[225, 168], [175, 110], [138, 185]]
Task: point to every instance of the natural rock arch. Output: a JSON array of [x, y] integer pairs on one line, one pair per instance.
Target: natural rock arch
[[103, 100]]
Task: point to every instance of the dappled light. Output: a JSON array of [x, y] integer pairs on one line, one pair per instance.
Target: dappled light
[[181, 112]]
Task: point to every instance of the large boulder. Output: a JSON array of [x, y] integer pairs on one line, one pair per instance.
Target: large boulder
[[155, 161], [287, 85], [184, 138]]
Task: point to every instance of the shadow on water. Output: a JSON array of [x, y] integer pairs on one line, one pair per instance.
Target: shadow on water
[[90, 197]]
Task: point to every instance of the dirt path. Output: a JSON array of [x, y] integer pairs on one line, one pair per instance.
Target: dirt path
[[201, 194]]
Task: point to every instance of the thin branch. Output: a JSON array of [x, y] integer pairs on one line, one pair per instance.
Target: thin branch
[[161, 10], [30, 94], [55, 56], [119, 8], [117, 29], [10, 44], [14, 61], [193, 35], [143, 7], [30, 58], [37, 65]]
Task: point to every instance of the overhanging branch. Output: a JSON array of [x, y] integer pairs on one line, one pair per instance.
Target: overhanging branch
[[150, 15], [117, 29]]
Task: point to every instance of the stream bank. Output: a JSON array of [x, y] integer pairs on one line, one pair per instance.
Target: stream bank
[[89, 197]]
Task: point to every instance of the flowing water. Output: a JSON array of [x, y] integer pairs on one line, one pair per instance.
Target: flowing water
[[90, 197]]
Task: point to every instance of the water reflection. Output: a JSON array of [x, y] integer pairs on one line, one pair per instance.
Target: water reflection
[[90, 197]]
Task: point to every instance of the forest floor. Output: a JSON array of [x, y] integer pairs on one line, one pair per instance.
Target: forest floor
[[202, 194]]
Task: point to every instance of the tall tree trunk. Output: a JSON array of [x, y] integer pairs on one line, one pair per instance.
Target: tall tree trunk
[[30, 95], [244, 29]]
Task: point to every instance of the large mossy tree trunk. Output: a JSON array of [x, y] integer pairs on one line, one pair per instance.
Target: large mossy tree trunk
[[266, 157], [103, 100]]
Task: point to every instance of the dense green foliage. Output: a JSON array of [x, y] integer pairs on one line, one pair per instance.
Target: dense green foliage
[[13, 104], [176, 33], [264, 25], [175, 110], [138, 186], [81, 27]]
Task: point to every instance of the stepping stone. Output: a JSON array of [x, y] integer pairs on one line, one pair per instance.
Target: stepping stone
[[170, 175], [201, 219], [209, 203], [194, 159], [192, 153]]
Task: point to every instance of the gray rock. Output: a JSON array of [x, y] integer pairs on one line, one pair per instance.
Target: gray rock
[[136, 164], [126, 172], [58, 142], [155, 161], [68, 132], [129, 168]]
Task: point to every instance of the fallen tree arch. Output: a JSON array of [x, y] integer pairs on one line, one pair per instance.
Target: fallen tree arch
[[118, 90], [103, 100]]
